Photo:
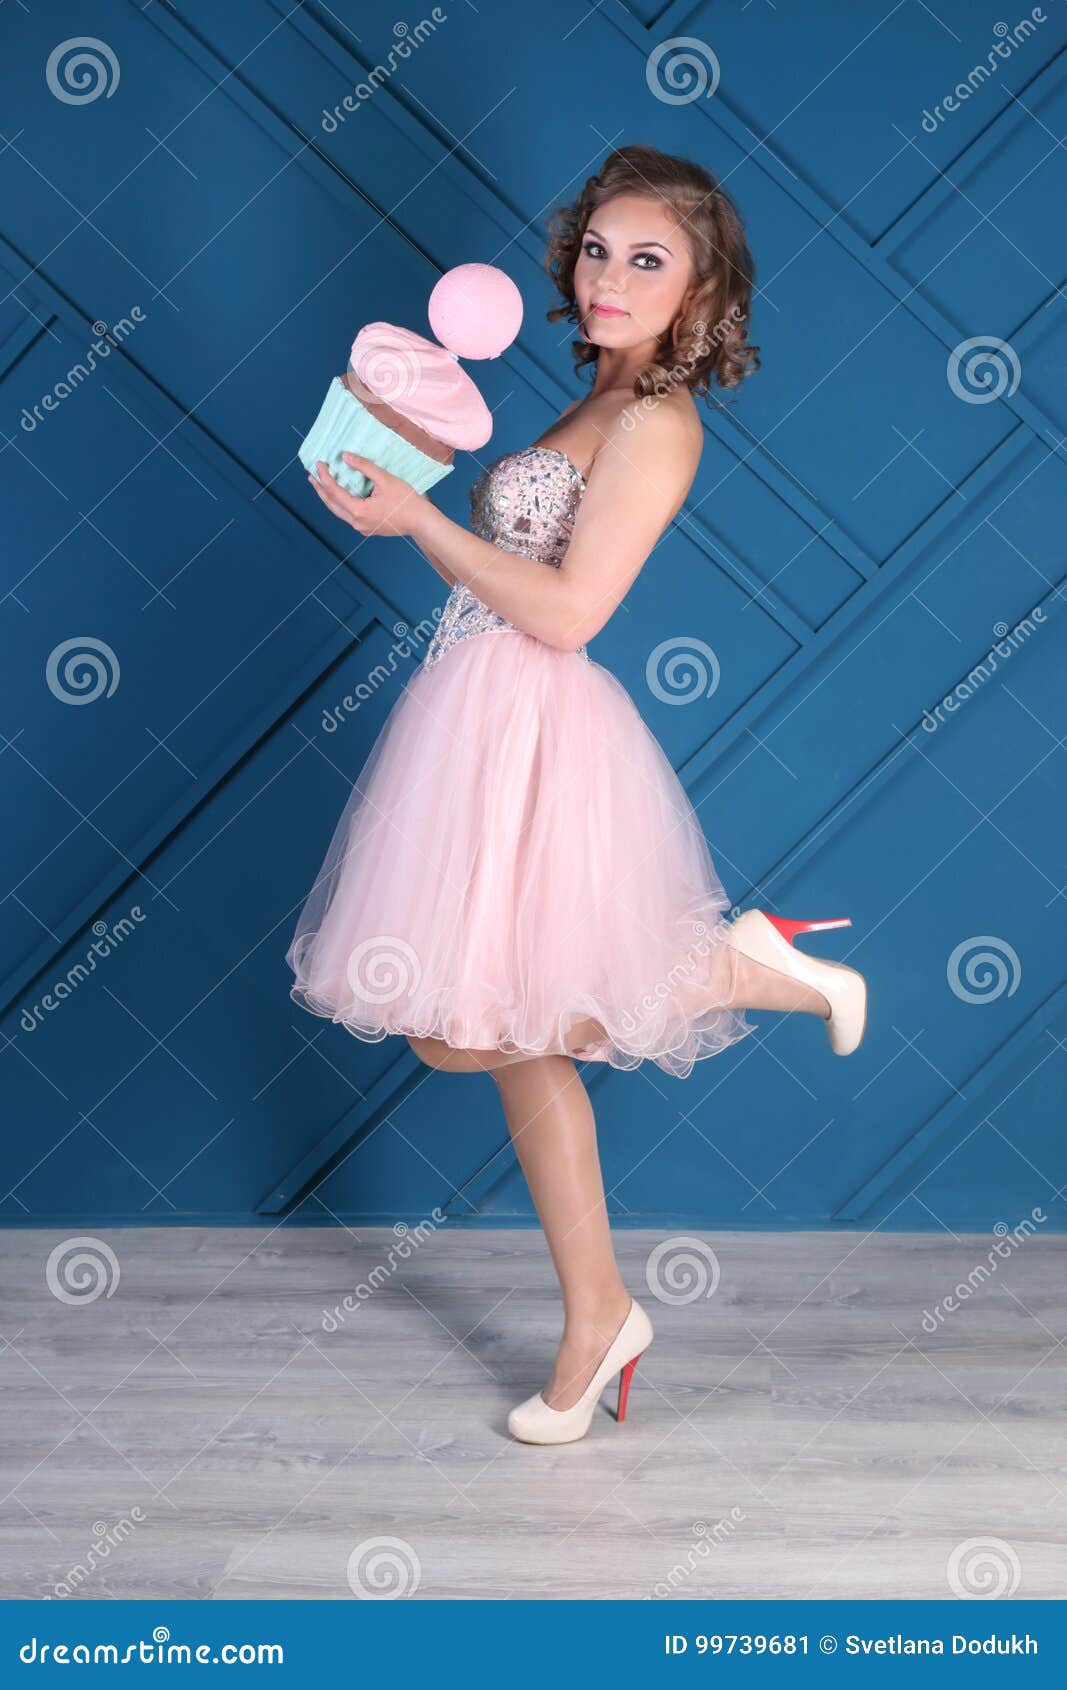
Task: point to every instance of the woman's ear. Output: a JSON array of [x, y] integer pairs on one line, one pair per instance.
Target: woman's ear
[[687, 298], [679, 316]]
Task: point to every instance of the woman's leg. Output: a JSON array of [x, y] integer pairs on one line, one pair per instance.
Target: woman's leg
[[551, 1123], [757, 986]]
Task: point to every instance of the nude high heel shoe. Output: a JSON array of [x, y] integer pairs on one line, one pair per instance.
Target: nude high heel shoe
[[769, 939], [535, 1422]]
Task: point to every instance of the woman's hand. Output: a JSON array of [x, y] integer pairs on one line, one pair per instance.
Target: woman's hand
[[392, 507]]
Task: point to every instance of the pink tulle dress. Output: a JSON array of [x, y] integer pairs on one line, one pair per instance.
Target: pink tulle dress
[[517, 855]]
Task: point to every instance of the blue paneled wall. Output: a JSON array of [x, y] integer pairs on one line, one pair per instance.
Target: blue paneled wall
[[192, 227]]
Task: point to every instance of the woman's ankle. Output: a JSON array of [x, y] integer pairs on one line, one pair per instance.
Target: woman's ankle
[[759, 986], [601, 1315]]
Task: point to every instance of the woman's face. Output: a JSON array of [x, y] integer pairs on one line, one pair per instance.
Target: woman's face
[[634, 272]]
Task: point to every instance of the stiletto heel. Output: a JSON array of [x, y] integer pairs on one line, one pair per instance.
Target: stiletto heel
[[768, 939], [536, 1422], [624, 1388], [789, 929]]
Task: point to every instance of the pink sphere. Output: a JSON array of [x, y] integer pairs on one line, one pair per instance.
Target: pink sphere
[[475, 310]]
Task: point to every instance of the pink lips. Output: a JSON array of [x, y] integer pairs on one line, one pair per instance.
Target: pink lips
[[609, 311]]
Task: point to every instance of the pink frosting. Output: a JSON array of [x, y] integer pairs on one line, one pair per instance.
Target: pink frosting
[[424, 383]]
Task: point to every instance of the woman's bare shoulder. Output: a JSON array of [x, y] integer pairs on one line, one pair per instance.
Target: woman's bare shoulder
[[617, 422], [669, 422]]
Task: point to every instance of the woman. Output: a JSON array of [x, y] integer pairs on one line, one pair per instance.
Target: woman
[[518, 878]]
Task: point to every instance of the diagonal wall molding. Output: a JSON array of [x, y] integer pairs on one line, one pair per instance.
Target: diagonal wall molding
[[355, 606], [1001, 1073]]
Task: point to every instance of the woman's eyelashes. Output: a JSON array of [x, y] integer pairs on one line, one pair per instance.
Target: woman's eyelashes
[[593, 249]]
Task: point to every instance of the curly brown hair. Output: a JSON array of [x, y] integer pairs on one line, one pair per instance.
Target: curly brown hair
[[708, 340]]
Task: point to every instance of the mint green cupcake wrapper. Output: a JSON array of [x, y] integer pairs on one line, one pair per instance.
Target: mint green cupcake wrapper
[[345, 425]]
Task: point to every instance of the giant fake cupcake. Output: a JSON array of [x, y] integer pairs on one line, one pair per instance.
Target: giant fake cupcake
[[404, 402]]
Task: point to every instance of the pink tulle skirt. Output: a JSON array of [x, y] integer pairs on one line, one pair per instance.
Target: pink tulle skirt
[[517, 857]]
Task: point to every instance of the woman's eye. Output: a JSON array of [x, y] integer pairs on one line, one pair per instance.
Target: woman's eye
[[653, 261], [592, 249]]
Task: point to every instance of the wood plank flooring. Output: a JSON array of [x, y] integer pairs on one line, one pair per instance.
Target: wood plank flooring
[[207, 1430]]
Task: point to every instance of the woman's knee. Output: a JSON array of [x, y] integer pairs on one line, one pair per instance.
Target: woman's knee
[[433, 1052], [450, 1059]]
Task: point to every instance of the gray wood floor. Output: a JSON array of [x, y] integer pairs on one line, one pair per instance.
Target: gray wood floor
[[200, 1433]]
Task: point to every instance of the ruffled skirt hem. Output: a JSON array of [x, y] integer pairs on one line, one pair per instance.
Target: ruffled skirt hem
[[675, 1039]]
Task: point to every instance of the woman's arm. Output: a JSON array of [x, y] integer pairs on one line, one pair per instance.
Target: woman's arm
[[435, 563], [637, 485]]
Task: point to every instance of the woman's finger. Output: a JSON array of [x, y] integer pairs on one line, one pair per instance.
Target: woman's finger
[[364, 465], [336, 506], [326, 497], [340, 499], [327, 479]]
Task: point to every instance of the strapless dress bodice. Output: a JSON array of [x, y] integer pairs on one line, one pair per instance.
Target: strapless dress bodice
[[524, 502]]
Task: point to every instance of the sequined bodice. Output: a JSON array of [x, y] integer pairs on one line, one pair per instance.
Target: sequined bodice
[[524, 502]]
